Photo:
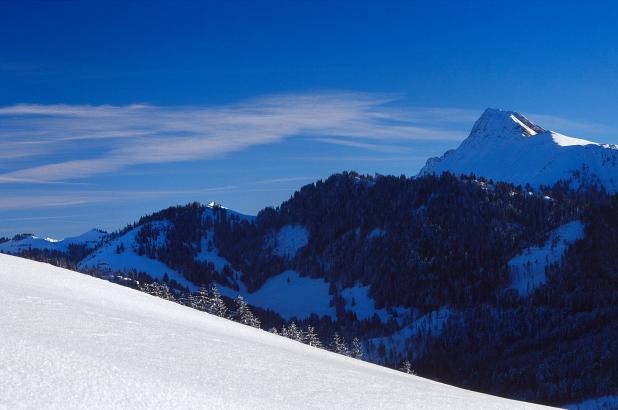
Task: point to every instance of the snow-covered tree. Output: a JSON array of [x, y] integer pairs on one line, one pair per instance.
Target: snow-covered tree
[[294, 333], [201, 300], [166, 293], [244, 315], [406, 367], [312, 339], [217, 306], [187, 299], [159, 290], [338, 345], [357, 350]]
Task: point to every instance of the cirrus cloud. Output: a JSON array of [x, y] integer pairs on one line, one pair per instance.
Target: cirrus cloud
[[92, 140]]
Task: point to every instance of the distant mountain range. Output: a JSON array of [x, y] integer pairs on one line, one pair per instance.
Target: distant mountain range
[[24, 242]]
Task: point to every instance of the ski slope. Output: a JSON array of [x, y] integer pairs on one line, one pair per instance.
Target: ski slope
[[69, 340]]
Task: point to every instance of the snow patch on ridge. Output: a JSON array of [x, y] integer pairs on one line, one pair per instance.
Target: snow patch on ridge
[[290, 239], [358, 301], [565, 141], [106, 259], [430, 324], [291, 295], [528, 268], [211, 255]]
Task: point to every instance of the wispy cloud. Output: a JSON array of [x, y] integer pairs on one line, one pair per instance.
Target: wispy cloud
[[69, 143], [94, 140], [365, 145], [285, 180]]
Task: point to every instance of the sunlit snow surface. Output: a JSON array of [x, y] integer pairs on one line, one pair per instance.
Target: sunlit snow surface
[[506, 146], [69, 340], [107, 259]]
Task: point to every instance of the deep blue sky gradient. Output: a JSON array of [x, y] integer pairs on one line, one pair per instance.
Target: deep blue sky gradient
[[550, 58]]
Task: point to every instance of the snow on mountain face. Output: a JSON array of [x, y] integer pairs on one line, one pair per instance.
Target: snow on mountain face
[[289, 240], [528, 268], [23, 243], [506, 146], [69, 340], [108, 259], [291, 295]]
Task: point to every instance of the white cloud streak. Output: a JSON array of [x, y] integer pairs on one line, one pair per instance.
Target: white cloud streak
[[365, 145], [60, 143], [93, 140]]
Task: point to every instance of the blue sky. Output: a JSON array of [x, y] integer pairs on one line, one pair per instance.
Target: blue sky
[[110, 110]]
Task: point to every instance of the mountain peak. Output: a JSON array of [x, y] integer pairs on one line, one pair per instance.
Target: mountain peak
[[498, 123], [506, 146]]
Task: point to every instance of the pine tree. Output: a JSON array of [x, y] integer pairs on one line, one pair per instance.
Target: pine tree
[[357, 350], [244, 315], [187, 299], [294, 333], [312, 339], [256, 323], [159, 290], [406, 367], [201, 300], [338, 345], [217, 305]]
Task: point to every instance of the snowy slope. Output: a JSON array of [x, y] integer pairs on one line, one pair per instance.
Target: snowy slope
[[432, 323], [28, 242], [506, 146], [107, 259], [357, 300], [290, 239], [68, 340], [528, 268], [291, 295], [600, 403]]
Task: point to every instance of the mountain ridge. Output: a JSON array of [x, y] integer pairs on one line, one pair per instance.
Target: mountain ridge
[[507, 146]]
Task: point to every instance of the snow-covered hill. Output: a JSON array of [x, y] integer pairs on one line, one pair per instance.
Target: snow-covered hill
[[26, 242], [506, 146], [68, 340]]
